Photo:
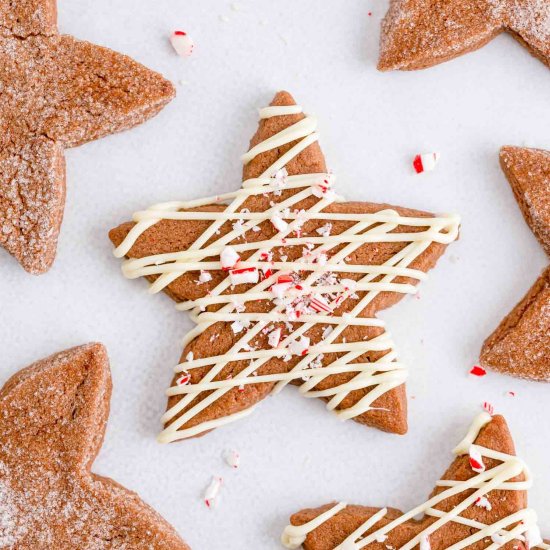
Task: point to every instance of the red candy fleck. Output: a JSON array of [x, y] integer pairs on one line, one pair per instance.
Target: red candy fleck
[[478, 371], [417, 164]]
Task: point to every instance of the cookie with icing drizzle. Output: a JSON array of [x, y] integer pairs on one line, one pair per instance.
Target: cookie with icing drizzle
[[520, 345], [284, 280], [480, 503], [56, 92], [52, 421], [417, 34]]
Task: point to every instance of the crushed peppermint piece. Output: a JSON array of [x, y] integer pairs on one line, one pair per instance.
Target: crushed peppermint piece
[[381, 538], [189, 356], [274, 337], [476, 460], [299, 347], [425, 162], [510, 394], [483, 502], [318, 303], [239, 326], [182, 43], [425, 543], [184, 379], [278, 222], [326, 332], [204, 277], [488, 408], [232, 458], [239, 227], [476, 370], [212, 491], [283, 284], [229, 258], [325, 230], [244, 275]]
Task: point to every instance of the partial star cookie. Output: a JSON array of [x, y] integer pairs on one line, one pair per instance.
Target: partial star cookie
[[520, 345], [56, 92], [481, 502], [52, 421], [284, 280], [417, 34]]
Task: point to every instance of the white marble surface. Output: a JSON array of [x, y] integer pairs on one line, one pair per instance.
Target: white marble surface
[[294, 454]]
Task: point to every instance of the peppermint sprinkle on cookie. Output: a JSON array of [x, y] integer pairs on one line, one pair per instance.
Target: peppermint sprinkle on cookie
[[182, 43], [425, 162], [488, 408], [476, 460], [483, 502]]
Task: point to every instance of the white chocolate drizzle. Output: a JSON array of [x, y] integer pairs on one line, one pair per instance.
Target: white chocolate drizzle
[[318, 294], [520, 526]]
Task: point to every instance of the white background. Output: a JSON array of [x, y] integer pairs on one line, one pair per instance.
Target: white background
[[294, 454]]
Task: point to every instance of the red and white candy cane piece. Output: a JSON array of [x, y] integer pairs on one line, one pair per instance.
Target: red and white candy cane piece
[[425, 162], [483, 502], [244, 275], [182, 43], [184, 379], [284, 282], [299, 347], [478, 371], [229, 258], [318, 303], [212, 491], [279, 223], [274, 337], [488, 408], [232, 458], [476, 460]]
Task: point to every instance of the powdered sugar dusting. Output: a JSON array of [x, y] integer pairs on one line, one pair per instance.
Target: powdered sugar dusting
[[531, 19], [55, 92]]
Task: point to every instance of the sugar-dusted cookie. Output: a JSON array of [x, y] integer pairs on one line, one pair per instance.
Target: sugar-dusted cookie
[[284, 281], [421, 33], [52, 420], [520, 345], [56, 92], [480, 503]]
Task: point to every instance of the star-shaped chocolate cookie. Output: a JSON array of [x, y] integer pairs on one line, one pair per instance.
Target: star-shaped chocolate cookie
[[284, 280], [56, 92], [52, 421], [417, 34], [520, 345], [480, 503]]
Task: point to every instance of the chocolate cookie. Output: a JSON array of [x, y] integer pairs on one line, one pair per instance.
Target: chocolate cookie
[[480, 503], [52, 421], [284, 280], [520, 345], [417, 34], [56, 92]]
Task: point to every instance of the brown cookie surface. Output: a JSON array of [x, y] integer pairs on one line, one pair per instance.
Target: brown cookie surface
[[52, 418], [179, 236], [417, 34], [57, 92], [520, 345], [486, 504]]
